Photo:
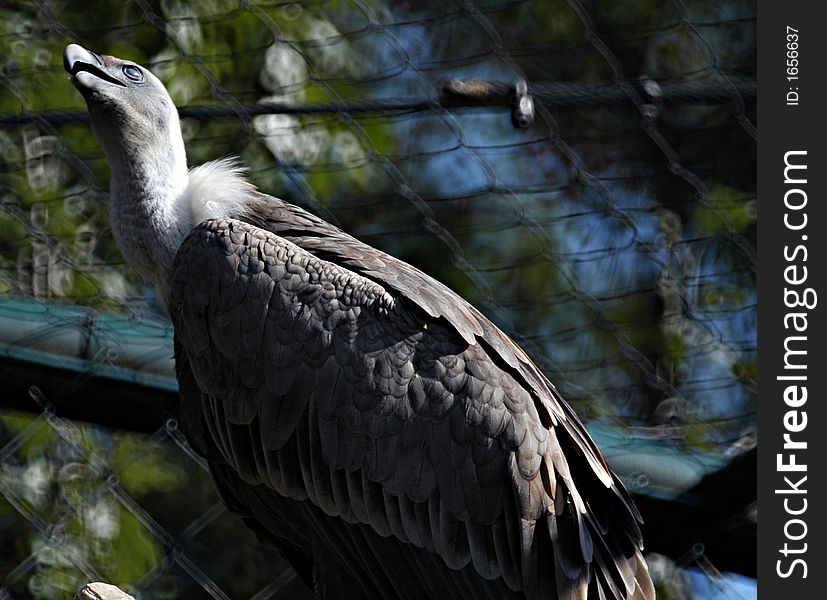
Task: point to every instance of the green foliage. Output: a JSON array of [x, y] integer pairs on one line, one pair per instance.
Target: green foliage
[[728, 210], [93, 493], [142, 468], [58, 477], [133, 552]]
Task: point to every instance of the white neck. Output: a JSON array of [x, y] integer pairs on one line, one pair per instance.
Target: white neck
[[156, 202], [149, 218]]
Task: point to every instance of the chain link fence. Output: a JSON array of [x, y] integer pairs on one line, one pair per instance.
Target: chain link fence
[[140, 510], [613, 237]]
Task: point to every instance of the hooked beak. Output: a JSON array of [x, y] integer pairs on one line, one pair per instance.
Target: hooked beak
[[77, 59]]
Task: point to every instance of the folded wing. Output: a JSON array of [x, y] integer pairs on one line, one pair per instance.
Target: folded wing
[[329, 372]]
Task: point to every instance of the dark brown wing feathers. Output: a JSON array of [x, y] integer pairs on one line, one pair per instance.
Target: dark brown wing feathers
[[320, 370]]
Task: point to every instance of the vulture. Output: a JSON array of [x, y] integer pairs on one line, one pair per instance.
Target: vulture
[[356, 413]]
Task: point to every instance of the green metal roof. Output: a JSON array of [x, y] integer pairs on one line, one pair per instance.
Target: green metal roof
[[124, 347]]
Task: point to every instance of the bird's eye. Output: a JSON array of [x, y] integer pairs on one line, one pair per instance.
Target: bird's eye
[[133, 72]]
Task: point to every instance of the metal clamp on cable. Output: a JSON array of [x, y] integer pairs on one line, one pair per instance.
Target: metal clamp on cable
[[653, 96], [480, 92], [522, 109]]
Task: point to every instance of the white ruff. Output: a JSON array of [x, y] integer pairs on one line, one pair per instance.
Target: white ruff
[[216, 189]]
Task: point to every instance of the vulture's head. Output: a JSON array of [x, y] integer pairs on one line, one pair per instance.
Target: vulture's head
[[130, 109]]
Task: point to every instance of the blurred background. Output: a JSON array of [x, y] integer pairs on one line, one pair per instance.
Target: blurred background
[[613, 237]]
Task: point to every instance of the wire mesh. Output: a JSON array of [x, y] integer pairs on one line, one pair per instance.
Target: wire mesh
[[95, 506], [613, 238]]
